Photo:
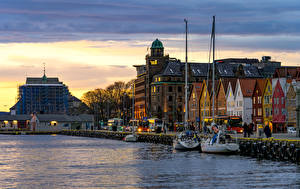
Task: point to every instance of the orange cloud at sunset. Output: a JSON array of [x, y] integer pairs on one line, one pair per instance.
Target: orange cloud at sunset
[[86, 65]]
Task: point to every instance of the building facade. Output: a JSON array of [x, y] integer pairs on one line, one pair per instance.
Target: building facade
[[257, 106], [267, 103], [42, 95]]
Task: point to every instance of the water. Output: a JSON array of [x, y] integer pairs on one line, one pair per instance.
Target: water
[[77, 162]]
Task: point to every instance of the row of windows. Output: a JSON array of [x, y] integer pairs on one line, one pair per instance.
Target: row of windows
[[170, 89], [257, 112], [277, 100], [257, 100], [277, 111]]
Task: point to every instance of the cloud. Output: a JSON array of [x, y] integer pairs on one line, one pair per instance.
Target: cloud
[[64, 20]]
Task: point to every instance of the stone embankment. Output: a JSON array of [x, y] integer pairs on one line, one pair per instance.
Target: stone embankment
[[271, 149], [142, 137]]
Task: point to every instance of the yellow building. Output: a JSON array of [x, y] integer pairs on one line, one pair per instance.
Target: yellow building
[[204, 103], [267, 103]]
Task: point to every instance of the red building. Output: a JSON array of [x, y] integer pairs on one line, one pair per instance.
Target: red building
[[278, 108], [257, 111]]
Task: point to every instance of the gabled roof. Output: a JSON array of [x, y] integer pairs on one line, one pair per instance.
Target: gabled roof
[[197, 87], [247, 87], [261, 84]]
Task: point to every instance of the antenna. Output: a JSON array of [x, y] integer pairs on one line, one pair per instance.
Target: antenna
[[44, 68]]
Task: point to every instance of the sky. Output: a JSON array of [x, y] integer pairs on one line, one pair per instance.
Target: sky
[[92, 43]]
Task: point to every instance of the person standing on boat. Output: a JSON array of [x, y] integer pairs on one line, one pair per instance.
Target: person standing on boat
[[216, 132]]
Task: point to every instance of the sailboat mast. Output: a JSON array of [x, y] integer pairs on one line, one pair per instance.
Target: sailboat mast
[[213, 71], [186, 76]]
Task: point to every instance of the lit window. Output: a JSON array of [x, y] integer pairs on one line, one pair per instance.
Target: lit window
[[53, 123]]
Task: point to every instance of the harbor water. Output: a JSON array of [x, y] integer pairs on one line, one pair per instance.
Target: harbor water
[[57, 161]]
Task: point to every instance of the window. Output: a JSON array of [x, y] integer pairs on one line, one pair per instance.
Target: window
[[254, 100], [259, 113], [254, 112], [170, 88], [282, 100], [283, 111], [170, 98], [259, 99], [179, 89]]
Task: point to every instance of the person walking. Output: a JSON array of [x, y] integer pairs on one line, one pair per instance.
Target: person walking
[[267, 131], [245, 128]]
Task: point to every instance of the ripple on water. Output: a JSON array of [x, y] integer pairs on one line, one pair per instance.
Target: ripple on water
[[68, 162]]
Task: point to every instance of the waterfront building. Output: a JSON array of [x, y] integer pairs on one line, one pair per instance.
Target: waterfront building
[[291, 104], [280, 84], [278, 107], [194, 104], [221, 96], [159, 86], [257, 106], [298, 109], [243, 99], [247, 88], [204, 103], [267, 103], [47, 122], [230, 97], [42, 95]]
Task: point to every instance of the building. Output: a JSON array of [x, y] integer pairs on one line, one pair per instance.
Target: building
[[194, 104], [267, 103], [291, 105], [42, 95], [257, 106], [230, 103], [159, 86], [47, 122], [247, 88], [278, 108]]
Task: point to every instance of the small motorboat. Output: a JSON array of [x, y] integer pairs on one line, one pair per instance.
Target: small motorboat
[[131, 138], [186, 140]]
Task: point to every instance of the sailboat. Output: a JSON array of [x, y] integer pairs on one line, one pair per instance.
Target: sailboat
[[218, 143], [186, 140]]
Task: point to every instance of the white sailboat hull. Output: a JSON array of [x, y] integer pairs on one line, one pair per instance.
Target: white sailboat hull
[[131, 138], [219, 148]]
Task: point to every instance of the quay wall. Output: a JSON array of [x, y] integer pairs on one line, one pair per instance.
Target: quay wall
[[261, 148]]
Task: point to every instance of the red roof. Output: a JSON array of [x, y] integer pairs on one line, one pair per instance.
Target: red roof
[[247, 86], [261, 84]]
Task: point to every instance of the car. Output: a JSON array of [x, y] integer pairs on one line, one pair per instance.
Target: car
[[291, 130]]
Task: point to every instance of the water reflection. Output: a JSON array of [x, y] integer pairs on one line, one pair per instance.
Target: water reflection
[[68, 162]]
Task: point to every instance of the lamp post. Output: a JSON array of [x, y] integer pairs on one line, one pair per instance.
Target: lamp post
[[124, 108]]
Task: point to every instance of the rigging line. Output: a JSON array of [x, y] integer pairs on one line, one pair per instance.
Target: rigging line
[[207, 79]]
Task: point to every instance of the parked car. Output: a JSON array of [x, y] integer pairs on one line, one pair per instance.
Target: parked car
[[291, 130]]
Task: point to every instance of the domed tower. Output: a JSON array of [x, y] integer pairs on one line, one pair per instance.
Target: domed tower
[[157, 49]]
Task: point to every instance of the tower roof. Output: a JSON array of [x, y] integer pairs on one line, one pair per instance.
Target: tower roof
[[157, 44]]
